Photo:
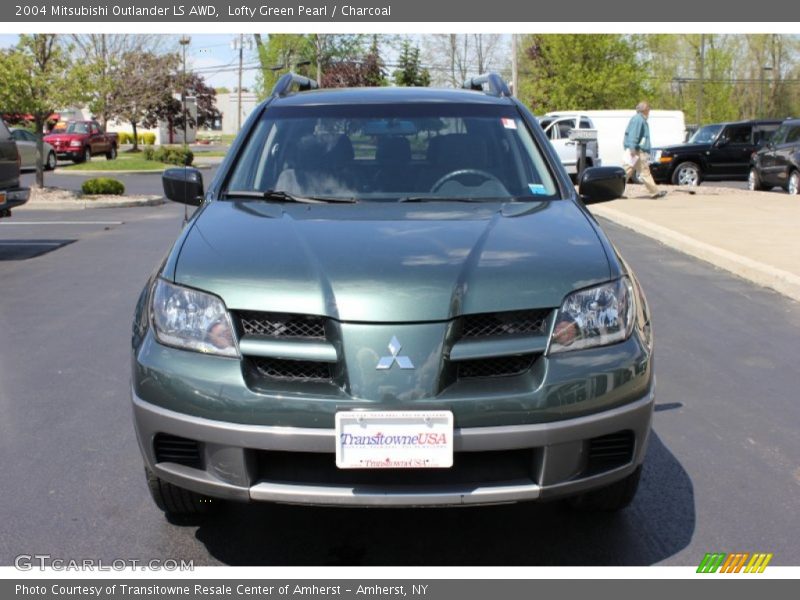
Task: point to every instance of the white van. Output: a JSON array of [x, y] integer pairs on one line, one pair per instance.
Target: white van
[[666, 127]]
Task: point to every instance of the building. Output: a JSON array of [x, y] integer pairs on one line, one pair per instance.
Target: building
[[228, 106]]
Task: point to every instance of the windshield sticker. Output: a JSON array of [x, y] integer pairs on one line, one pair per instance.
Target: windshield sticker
[[537, 189], [509, 123]]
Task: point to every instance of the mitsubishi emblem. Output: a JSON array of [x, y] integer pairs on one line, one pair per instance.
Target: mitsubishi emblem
[[386, 362]]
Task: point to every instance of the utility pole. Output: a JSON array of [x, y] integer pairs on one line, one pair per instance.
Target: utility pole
[[239, 44], [514, 67], [699, 117], [761, 82]]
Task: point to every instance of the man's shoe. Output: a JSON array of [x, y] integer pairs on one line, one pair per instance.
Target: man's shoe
[[658, 195]]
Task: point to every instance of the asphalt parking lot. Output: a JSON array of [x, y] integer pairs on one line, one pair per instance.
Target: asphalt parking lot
[[722, 473]]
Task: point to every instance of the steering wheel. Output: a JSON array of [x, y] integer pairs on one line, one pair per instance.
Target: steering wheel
[[461, 173]]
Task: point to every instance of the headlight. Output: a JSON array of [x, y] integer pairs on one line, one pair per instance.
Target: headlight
[[596, 316], [192, 320], [656, 155], [75, 143]]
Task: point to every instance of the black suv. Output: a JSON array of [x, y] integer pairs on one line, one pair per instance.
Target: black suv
[[778, 162], [719, 151], [11, 195]]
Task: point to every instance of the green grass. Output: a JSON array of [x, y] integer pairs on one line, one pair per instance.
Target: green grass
[[123, 162]]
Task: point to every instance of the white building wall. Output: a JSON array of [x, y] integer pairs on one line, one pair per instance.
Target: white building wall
[[228, 106]]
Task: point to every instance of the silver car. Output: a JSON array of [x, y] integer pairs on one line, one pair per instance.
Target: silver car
[[26, 144]]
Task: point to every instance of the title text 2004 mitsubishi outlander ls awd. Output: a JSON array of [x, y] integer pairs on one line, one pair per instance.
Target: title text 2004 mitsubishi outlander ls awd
[[392, 297]]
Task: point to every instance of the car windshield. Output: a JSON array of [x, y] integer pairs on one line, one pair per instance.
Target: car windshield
[[77, 128], [385, 152], [705, 135]]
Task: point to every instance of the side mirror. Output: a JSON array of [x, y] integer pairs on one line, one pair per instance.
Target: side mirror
[[184, 185], [601, 184], [723, 141]]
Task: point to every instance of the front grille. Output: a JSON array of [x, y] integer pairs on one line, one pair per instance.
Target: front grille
[[610, 451], [171, 448], [292, 370], [527, 322], [468, 468], [282, 325], [494, 367]]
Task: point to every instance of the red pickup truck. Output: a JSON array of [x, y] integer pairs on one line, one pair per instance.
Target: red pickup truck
[[83, 139]]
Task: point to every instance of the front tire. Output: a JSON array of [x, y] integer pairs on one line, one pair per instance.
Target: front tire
[[111, 154], [611, 498], [87, 154], [794, 183], [687, 173], [176, 501], [51, 162], [754, 181]]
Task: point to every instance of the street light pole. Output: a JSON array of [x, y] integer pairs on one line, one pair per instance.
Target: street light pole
[[184, 41]]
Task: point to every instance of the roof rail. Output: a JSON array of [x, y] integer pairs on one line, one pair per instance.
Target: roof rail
[[285, 83], [497, 87]]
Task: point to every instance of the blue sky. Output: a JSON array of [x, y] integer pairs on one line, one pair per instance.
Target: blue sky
[[210, 55]]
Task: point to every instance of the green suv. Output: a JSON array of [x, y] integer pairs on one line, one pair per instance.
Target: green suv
[[392, 297]]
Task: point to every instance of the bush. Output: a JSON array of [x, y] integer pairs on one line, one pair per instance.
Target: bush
[[149, 153], [123, 137], [174, 155], [148, 139], [103, 185]]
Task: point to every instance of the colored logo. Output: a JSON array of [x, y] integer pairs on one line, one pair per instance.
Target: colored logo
[[737, 562]]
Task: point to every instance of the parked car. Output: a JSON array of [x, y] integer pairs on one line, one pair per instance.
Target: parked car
[[361, 313], [11, 194], [778, 162], [83, 139], [26, 144], [721, 151], [557, 130]]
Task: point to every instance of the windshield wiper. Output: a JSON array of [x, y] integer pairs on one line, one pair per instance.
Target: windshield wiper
[[281, 196]]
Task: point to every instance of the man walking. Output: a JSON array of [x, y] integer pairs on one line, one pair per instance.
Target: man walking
[[637, 150]]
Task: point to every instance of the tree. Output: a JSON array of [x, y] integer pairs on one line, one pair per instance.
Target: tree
[[310, 55], [455, 57], [148, 83], [278, 55], [103, 54], [410, 72], [581, 72], [167, 107], [38, 78], [368, 72]]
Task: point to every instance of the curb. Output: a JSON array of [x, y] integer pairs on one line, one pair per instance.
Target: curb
[[762, 274], [139, 172], [86, 204]]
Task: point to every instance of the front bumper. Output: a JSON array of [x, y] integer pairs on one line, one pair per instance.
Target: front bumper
[[661, 172], [233, 457]]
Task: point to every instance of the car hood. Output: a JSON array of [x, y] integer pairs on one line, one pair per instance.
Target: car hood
[[675, 148], [63, 137], [391, 262]]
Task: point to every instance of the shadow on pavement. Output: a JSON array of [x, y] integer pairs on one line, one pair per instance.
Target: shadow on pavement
[[658, 524]]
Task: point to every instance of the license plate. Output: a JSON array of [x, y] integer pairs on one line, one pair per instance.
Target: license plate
[[2, 198], [394, 440]]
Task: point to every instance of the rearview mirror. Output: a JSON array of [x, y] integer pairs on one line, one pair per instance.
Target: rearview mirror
[[184, 185], [600, 184]]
